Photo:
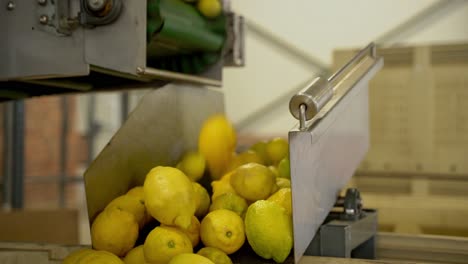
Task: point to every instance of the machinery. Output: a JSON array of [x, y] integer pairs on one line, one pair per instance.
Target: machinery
[[90, 45]]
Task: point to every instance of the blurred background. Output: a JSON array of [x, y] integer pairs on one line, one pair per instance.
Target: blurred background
[[416, 172]]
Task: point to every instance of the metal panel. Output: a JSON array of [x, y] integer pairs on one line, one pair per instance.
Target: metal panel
[[120, 46], [157, 132], [325, 155], [28, 52]]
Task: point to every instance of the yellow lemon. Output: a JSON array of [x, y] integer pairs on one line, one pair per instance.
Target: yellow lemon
[[215, 255], [164, 243], [283, 198], [115, 231], [169, 196], [191, 258], [192, 232], [274, 170], [269, 230], [216, 142], [202, 200], [223, 229], [130, 204], [209, 8], [253, 181], [230, 201], [135, 256], [139, 193], [220, 188], [277, 149], [74, 256], [245, 157], [283, 183], [260, 148], [193, 165], [284, 170], [99, 257]]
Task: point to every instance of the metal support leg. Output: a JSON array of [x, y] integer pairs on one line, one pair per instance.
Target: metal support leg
[[17, 182], [7, 154], [63, 151]]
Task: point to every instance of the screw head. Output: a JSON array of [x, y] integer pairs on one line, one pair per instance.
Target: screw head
[[10, 6], [42, 2], [96, 5], [43, 19]]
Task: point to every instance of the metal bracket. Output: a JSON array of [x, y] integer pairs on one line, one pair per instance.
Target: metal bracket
[[352, 205], [54, 17]]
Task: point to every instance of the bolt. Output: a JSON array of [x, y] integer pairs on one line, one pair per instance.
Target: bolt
[[96, 5], [43, 19], [10, 6], [42, 2]]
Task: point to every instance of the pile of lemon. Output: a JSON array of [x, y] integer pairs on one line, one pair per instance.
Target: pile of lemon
[[250, 203]]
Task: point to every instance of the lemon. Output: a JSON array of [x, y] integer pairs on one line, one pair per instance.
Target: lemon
[[221, 187], [283, 198], [114, 230], [224, 230], [169, 196], [193, 165], [277, 149], [135, 256], [74, 256], [209, 8], [269, 230], [260, 148], [226, 177], [139, 193], [244, 158], [132, 205], [202, 200], [253, 181], [164, 243], [283, 183], [191, 258], [230, 201], [99, 257], [216, 142], [215, 255], [284, 170], [192, 232], [274, 170]]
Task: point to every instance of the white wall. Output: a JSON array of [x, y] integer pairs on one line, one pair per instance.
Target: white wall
[[317, 28]]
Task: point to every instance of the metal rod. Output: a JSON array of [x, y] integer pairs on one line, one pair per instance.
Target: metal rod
[[370, 49], [17, 182], [124, 106], [7, 154], [302, 116], [63, 150], [91, 127]]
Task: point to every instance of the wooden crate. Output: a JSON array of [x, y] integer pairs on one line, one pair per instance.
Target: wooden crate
[[418, 119]]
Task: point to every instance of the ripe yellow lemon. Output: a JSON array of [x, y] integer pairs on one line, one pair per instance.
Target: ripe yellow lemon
[[192, 232], [269, 230], [223, 229], [245, 157], [283, 183], [284, 170], [190, 258], [169, 196], [216, 142], [283, 198], [139, 193], [164, 243], [99, 257], [253, 181], [260, 148], [132, 205], [202, 200], [115, 231], [215, 255], [135, 256], [230, 201], [209, 8], [277, 149], [193, 165]]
